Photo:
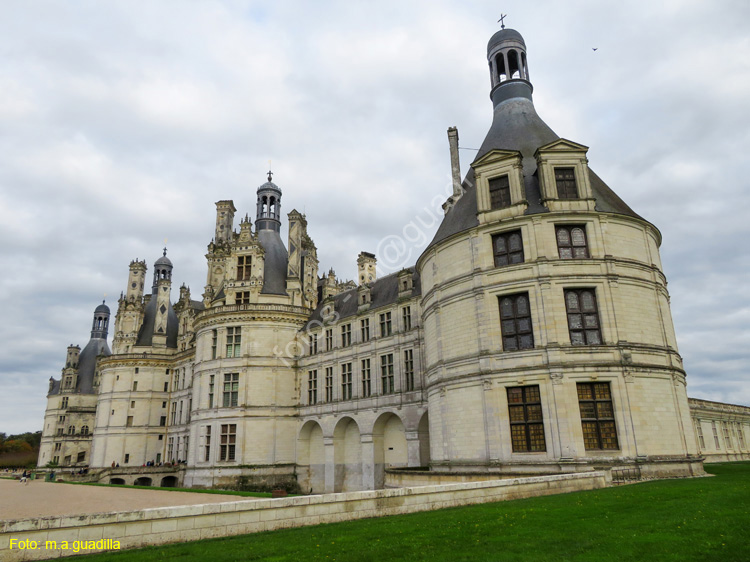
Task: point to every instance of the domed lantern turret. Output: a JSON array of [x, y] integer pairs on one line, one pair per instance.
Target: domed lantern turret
[[268, 215], [509, 71]]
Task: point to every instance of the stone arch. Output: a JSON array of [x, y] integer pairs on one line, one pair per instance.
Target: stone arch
[[169, 482], [117, 481], [347, 454], [143, 481], [389, 445], [311, 462], [423, 430]]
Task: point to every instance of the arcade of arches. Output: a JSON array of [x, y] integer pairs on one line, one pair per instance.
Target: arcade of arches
[[348, 453]]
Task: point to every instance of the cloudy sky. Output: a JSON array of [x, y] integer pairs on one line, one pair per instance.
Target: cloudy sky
[[122, 122]]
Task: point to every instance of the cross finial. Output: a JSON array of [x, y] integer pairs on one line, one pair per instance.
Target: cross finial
[[502, 23], [270, 173], [165, 251]]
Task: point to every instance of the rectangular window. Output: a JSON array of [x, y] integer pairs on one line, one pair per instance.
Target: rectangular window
[[163, 421], [406, 317], [329, 384], [81, 457], [56, 459], [329, 339], [313, 341], [699, 433], [228, 442], [526, 423], [565, 179], [58, 446], [214, 338], [231, 390], [515, 322], [244, 267], [364, 328], [741, 435], [597, 415], [60, 430], [132, 403], [135, 386], [312, 387], [166, 387], [242, 297], [507, 248], [409, 369], [129, 423], [716, 435], [181, 404], [583, 317], [207, 444], [346, 335], [174, 412], [385, 324], [127, 458], [386, 373], [60, 419], [500, 192], [234, 338], [211, 391], [346, 381], [727, 437], [65, 402], [571, 242], [366, 378]]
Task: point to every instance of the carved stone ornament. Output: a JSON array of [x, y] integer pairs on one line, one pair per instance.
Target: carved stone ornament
[[557, 378]]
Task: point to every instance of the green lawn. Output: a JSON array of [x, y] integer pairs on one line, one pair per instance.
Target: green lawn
[[695, 519]]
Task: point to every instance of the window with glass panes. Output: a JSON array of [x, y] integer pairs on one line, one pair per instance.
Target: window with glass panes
[[515, 322], [244, 268], [211, 391], [231, 389], [207, 443], [741, 435], [699, 432], [242, 297], [597, 415], [386, 373], [364, 329], [727, 437], [329, 384], [507, 248], [716, 435], [571, 242], [346, 335], [499, 192], [329, 339], [227, 442], [385, 324], [312, 387], [406, 317], [409, 369], [313, 342], [366, 378], [565, 179], [526, 423], [214, 338], [583, 317], [234, 339], [346, 381]]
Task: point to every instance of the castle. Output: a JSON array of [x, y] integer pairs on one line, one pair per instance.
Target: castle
[[533, 335]]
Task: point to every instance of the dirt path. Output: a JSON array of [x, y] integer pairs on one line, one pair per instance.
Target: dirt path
[[40, 499]]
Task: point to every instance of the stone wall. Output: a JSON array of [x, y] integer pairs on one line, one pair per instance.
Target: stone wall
[[188, 523]]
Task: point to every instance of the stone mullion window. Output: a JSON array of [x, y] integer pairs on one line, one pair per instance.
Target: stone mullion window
[[364, 328], [244, 268], [329, 384], [313, 343], [597, 415], [346, 335], [329, 339], [312, 387], [234, 339], [727, 436], [507, 248], [385, 324], [366, 378], [571, 242], [583, 317], [515, 322], [716, 435], [242, 297], [386, 374], [211, 391], [565, 179], [406, 316], [228, 442], [231, 390], [699, 432], [207, 444], [346, 381], [409, 369], [500, 192], [526, 420], [741, 435]]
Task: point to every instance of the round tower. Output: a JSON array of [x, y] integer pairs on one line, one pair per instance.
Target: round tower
[[100, 326], [268, 214]]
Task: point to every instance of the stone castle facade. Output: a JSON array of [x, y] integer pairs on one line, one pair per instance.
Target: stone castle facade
[[533, 335]]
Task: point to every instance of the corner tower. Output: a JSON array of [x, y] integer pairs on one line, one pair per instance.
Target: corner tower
[[549, 344]]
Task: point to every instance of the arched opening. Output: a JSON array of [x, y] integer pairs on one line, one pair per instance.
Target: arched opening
[[272, 207], [423, 431], [169, 482], [311, 461], [117, 481], [347, 454], [502, 74], [524, 67], [143, 481], [514, 68], [389, 445], [84, 430], [264, 206]]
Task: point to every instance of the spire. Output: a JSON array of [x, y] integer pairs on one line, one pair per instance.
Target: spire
[[268, 215]]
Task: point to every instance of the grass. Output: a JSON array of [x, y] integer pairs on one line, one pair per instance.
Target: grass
[[193, 490], [702, 519]]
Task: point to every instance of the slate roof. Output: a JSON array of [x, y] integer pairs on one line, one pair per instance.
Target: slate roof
[[276, 260], [146, 333]]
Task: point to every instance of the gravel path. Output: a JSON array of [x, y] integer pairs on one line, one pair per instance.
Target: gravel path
[[41, 499]]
